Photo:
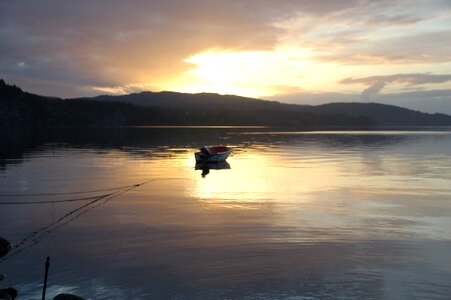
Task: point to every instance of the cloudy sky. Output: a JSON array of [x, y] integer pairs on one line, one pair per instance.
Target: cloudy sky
[[299, 51]]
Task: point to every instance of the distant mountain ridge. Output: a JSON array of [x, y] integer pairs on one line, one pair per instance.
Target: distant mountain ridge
[[208, 101], [381, 114], [19, 108]]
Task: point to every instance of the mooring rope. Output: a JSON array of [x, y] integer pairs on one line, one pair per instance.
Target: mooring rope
[[72, 199], [54, 201], [68, 193], [33, 236], [36, 236]]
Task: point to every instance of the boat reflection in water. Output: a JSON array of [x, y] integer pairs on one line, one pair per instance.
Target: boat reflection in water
[[207, 166]]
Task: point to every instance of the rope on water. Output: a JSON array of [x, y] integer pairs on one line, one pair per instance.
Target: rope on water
[[118, 190], [69, 193], [53, 201], [36, 236]]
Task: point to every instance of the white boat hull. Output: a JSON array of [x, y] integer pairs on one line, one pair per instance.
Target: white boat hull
[[218, 157]]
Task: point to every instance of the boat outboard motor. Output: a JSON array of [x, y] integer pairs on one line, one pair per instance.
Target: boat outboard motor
[[5, 247], [205, 151]]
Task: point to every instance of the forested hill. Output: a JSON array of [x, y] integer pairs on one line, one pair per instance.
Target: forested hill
[[19, 108], [206, 101], [380, 114]]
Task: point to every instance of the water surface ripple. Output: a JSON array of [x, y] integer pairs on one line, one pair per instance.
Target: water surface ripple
[[296, 215]]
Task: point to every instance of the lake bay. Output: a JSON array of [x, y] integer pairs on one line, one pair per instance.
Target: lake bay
[[292, 215]]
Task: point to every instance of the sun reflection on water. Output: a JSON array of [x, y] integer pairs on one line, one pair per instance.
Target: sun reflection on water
[[342, 207]]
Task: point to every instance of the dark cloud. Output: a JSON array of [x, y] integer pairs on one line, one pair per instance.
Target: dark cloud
[[382, 19], [116, 42], [382, 32], [377, 83], [72, 45], [374, 88], [409, 48]]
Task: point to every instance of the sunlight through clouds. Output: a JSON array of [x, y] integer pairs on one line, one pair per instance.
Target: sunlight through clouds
[[250, 48], [254, 73]]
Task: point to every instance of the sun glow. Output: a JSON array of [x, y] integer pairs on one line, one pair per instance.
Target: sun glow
[[250, 73], [285, 69]]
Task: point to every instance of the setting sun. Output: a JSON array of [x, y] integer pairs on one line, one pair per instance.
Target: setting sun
[[246, 73]]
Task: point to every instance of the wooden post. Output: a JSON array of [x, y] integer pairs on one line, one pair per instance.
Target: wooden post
[[47, 266]]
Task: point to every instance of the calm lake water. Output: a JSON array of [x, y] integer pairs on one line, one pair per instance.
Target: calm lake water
[[294, 215]]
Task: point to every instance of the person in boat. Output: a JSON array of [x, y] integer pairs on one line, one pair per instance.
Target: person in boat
[[8, 294], [205, 151]]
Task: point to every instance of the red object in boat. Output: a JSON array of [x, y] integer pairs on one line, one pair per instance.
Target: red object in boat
[[218, 149]]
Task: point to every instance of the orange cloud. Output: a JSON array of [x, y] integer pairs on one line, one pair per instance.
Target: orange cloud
[[73, 48]]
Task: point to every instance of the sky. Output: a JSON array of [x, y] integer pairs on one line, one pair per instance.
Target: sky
[[296, 51]]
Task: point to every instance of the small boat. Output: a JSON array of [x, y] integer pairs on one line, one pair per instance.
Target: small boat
[[213, 154]]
